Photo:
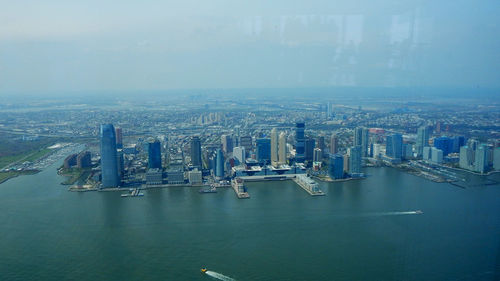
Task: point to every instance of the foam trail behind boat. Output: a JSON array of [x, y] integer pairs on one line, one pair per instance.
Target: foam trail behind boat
[[219, 276], [381, 214]]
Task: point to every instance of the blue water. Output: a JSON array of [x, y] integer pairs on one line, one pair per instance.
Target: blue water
[[361, 230]]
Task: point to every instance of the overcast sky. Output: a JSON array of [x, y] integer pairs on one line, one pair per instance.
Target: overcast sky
[[57, 46]]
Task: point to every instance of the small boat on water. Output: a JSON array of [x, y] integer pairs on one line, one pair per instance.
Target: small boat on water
[[209, 190], [419, 212], [204, 270], [133, 193]]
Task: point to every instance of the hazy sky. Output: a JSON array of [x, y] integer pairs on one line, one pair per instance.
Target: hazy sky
[[57, 46]]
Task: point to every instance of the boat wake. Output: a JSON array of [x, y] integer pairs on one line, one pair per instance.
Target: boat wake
[[381, 214], [219, 276]]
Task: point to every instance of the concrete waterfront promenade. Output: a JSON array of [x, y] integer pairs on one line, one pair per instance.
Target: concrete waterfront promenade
[[306, 183]]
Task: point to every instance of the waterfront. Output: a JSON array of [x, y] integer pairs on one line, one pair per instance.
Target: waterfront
[[361, 230]]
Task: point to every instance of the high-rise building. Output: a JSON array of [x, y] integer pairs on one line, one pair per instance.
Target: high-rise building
[[119, 138], [299, 142], [84, 160], [219, 166], [481, 159], [309, 149], [274, 147], [334, 144], [320, 143], [121, 163], [195, 150], [346, 162], [436, 155], [246, 142], [282, 148], [361, 138], [445, 144], [227, 143], [239, 154], [318, 155], [336, 166], [154, 154], [496, 158], [427, 155], [466, 157], [355, 160], [358, 136], [70, 161], [109, 165], [407, 151], [263, 150], [394, 146], [422, 140], [458, 141], [376, 150]]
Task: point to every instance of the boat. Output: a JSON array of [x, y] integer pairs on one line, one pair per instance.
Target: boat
[[133, 193], [204, 270], [209, 190], [419, 212]]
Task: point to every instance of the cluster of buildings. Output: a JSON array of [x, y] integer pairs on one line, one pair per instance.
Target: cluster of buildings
[[279, 152], [80, 160]]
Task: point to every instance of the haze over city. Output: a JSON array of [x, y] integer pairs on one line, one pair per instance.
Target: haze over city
[[64, 47]]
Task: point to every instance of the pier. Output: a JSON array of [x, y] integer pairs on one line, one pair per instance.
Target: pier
[[309, 185], [239, 188]]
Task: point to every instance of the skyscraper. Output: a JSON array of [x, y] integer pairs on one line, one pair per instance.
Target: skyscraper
[[422, 140], [263, 150], [246, 142], [309, 149], [299, 142], [496, 158], [336, 166], [481, 159], [320, 143], [394, 146], [219, 164], [334, 144], [466, 157], [361, 138], [318, 155], [282, 148], [119, 138], [355, 160], [227, 143], [109, 159], [239, 154], [445, 144], [196, 152], [154, 154], [274, 147], [121, 163]]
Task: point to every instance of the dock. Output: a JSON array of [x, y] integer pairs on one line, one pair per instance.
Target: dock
[[309, 185], [239, 188]]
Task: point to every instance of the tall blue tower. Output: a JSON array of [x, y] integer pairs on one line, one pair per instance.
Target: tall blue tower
[[336, 166], [263, 150], [154, 154], [109, 159], [299, 142], [219, 165]]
